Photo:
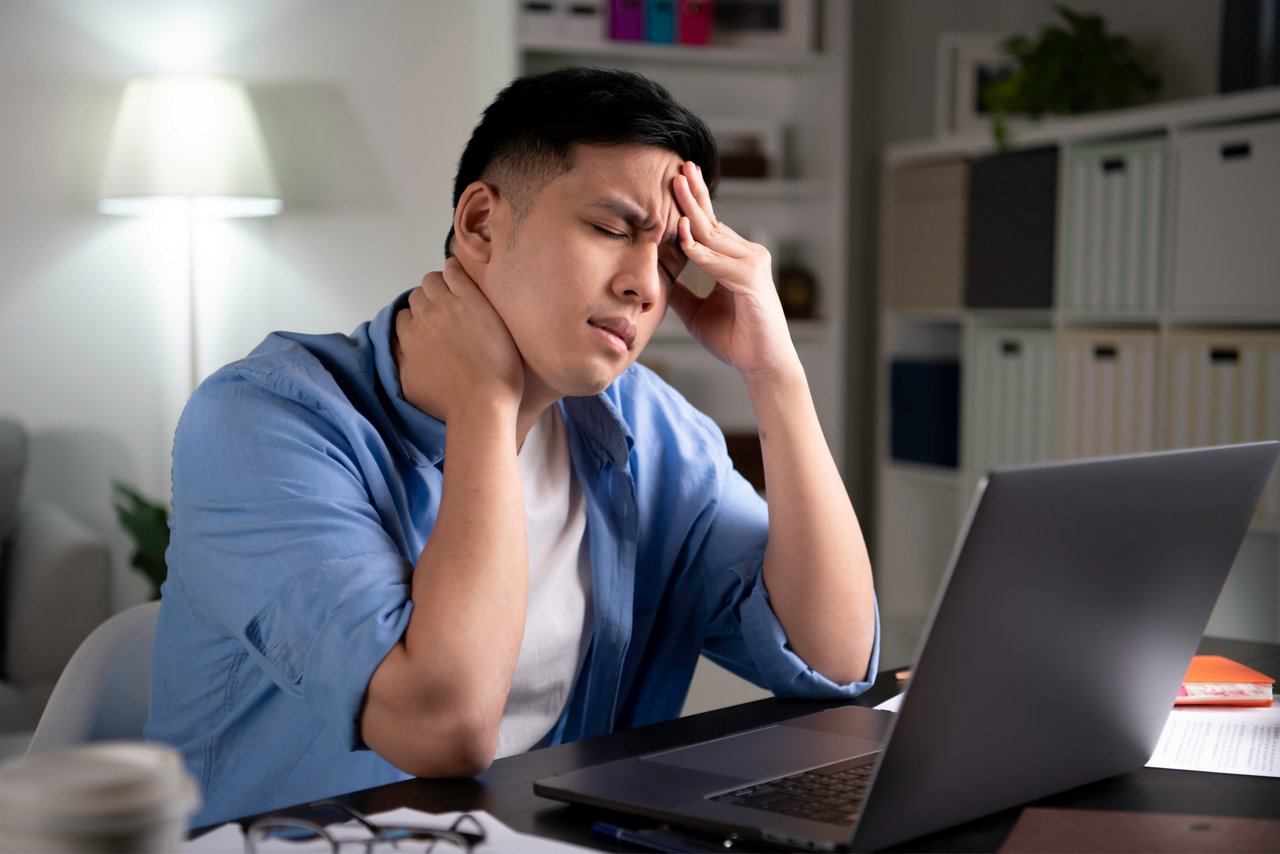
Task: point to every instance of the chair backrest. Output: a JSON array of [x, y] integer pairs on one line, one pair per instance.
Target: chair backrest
[[104, 691]]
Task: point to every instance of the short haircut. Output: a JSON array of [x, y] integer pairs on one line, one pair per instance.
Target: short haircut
[[526, 136]]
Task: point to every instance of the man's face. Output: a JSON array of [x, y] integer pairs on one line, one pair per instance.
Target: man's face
[[586, 278]]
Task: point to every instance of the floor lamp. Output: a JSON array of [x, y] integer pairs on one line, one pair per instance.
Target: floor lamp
[[188, 145]]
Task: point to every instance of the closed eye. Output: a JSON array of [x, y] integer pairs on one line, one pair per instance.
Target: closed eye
[[609, 233], [614, 235]]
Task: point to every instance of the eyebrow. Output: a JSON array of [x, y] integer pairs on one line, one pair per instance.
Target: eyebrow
[[637, 219]]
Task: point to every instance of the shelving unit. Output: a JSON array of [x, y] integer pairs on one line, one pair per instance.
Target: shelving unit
[[1127, 301], [800, 216]]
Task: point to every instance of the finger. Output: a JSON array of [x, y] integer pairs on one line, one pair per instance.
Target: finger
[[434, 286], [711, 261], [701, 191], [704, 217], [702, 223], [455, 278], [397, 349], [418, 300], [708, 231], [403, 318]]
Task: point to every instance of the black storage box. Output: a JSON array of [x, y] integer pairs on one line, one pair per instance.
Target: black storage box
[[1013, 200], [924, 422]]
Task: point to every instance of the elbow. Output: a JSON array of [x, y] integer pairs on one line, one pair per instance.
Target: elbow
[[461, 746], [474, 746], [850, 664]]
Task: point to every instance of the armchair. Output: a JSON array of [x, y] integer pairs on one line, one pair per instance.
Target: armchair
[[54, 590]]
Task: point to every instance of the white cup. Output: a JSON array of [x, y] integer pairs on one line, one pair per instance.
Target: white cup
[[105, 796]]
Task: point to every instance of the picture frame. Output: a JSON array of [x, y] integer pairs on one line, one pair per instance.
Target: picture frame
[[751, 148], [787, 25], [966, 63]]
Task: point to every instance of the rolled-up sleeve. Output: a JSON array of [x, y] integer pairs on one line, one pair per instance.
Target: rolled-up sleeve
[[744, 634], [276, 542]]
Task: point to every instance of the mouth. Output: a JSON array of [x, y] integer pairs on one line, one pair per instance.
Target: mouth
[[618, 329]]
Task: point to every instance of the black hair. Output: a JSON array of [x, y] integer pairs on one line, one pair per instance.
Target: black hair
[[527, 134]]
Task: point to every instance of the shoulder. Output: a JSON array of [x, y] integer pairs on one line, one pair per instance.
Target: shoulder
[[290, 384]]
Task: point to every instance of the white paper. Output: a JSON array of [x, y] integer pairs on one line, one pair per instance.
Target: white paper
[[1225, 740], [893, 703], [228, 839], [498, 837]]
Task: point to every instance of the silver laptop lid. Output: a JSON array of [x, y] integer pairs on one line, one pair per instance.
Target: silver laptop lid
[[1076, 596]]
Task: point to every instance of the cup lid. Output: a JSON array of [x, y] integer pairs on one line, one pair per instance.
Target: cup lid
[[97, 784]]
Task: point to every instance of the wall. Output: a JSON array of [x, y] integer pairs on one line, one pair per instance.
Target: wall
[[365, 107]]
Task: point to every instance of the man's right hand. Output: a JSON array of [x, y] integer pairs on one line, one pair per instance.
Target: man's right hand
[[452, 348]]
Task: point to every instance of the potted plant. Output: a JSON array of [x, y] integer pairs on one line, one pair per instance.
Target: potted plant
[[148, 525], [1073, 67]]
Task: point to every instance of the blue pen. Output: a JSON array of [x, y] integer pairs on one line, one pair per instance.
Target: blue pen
[[650, 840]]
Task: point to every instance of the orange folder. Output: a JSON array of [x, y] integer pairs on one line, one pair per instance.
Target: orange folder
[[1219, 681]]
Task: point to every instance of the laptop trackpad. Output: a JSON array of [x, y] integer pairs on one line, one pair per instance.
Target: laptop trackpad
[[763, 754]]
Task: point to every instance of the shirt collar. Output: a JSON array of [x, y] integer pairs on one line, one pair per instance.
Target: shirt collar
[[421, 435], [604, 430], [599, 420]]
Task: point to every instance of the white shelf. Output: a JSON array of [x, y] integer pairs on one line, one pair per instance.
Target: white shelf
[[1112, 124], [773, 190], [743, 58], [929, 316]]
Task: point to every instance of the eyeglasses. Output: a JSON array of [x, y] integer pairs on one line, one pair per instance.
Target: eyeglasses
[[300, 836]]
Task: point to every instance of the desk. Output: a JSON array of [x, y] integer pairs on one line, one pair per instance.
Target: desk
[[506, 789]]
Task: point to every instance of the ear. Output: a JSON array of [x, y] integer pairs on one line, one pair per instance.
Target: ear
[[476, 219]]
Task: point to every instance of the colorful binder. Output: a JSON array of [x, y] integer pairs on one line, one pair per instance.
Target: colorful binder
[[626, 20], [693, 21], [660, 21]]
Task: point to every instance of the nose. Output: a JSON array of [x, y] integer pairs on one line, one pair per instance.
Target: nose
[[639, 280]]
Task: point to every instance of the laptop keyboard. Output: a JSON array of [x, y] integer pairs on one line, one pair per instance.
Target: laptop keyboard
[[830, 794]]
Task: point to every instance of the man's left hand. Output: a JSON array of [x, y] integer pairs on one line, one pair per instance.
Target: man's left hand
[[741, 322]]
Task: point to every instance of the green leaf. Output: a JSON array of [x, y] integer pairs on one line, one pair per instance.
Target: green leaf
[[148, 525], [1075, 66]]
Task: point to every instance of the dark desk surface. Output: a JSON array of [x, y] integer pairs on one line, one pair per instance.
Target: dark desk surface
[[506, 789]]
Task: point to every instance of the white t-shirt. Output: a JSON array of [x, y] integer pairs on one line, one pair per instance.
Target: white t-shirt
[[558, 621]]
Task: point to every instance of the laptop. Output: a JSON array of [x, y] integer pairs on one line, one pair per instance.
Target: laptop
[[1075, 597]]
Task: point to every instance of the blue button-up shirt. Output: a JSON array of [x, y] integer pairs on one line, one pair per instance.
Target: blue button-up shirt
[[304, 488]]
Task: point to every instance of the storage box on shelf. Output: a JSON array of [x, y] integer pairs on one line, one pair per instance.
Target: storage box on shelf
[[1110, 231], [1148, 318], [1223, 386], [929, 227], [1105, 392], [1228, 220], [1011, 222], [1008, 398]]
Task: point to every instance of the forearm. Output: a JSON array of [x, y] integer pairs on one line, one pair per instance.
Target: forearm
[[435, 704], [816, 566]]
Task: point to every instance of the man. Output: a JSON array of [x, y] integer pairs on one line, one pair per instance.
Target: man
[[348, 604]]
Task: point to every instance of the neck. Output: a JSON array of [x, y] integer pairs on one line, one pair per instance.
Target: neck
[[536, 400]]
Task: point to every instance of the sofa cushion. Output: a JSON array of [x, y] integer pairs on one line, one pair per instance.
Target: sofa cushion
[[13, 459]]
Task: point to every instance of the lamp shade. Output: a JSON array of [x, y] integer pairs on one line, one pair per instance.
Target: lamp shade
[[186, 139]]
